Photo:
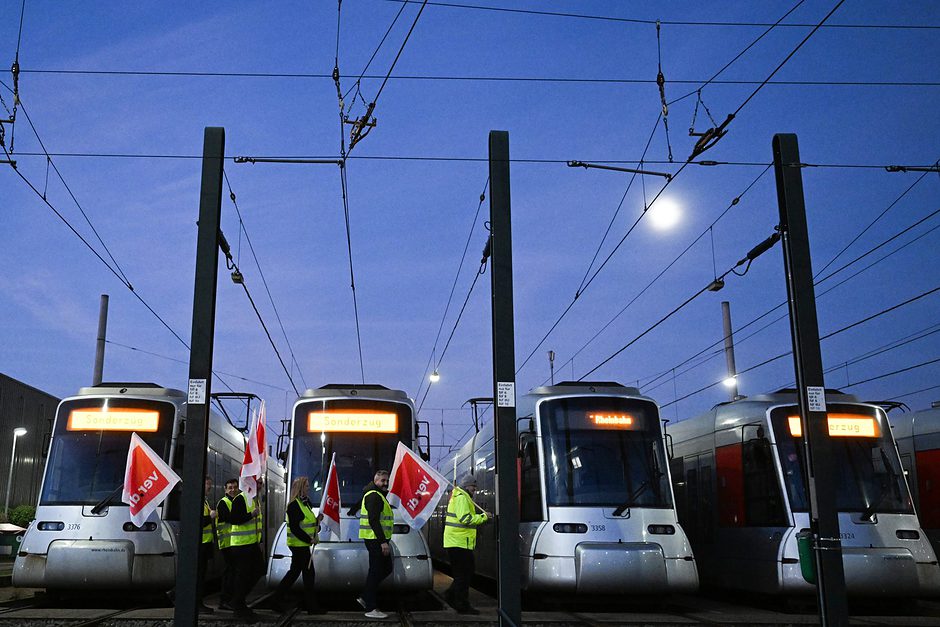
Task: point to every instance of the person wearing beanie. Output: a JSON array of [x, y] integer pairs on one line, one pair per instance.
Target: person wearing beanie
[[460, 538]]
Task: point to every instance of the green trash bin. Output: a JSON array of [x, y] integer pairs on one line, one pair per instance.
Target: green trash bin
[[804, 542], [10, 544]]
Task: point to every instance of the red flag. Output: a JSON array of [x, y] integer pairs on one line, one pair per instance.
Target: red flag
[[147, 480], [330, 505], [256, 454], [415, 487]]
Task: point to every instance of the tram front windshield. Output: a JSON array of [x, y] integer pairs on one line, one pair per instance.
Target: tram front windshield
[[603, 451], [90, 444], [363, 434], [868, 474]]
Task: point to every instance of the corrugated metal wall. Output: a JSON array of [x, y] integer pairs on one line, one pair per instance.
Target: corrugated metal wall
[[24, 406]]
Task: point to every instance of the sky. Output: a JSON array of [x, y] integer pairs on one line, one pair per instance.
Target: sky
[[410, 218]]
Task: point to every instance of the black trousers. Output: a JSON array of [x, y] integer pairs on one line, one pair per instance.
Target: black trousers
[[380, 567], [228, 576], [205, 554], [462, 568], [249, 566], [300, 564]]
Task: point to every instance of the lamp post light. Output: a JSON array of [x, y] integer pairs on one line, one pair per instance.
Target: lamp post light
[[435, 376], [17, 432]]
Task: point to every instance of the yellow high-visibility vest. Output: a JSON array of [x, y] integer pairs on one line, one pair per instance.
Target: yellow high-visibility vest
[[247, 532], [309, 525], [388, 519]]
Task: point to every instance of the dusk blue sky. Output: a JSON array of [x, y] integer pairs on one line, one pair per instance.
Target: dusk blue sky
[[411, 218]]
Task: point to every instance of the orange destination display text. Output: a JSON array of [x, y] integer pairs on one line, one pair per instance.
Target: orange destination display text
[[352, 421], [611, 421], [116, 419], [841, 425]]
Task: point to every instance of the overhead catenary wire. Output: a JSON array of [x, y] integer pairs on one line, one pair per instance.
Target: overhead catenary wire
[[894, 372], [264, 281], [627, 20], [453, 287]]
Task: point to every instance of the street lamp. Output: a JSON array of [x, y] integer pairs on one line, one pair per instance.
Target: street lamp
[[730, 382], [664, 214], [435, 377], [17, 432]]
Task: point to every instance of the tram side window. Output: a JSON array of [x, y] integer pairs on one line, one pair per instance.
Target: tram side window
[[531, 495], [763, 501]]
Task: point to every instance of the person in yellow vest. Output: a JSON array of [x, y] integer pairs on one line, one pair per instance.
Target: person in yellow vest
[[205, 548], [245, 536], [376, 523], [460, 538], [303, 529], [224, 534]]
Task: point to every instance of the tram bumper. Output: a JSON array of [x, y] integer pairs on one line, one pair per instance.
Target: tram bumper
[[95, 565], [880, 572], [636, 568], [343, 566]]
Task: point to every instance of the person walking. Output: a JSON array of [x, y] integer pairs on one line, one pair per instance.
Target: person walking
[[460, 539], [245, 538], [223, 530], [303, 529], [376, 523], [205, 548]]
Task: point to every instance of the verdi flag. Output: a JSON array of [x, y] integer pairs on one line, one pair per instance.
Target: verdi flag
[[415, 488], [330, 505], [255, 460], [147, 480]]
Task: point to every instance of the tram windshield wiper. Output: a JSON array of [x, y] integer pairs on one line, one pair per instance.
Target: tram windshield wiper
[[625, 508], [100, 505]]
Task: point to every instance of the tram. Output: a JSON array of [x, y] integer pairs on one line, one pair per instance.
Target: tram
[[83, 537], [596, 502], [918, 438], [362, 425], [738, 472]]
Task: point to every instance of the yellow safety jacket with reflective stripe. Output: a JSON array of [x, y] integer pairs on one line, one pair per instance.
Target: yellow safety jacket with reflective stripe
[[388, 519], [460, 526], [247, 532], [207, 530], [224, 529], [309, 525]]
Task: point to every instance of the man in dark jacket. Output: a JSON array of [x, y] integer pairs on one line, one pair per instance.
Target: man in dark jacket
[[246, 550], [376, 523]]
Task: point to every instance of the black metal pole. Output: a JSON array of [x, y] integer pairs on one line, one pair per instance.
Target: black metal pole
[[807, 362], [504, 383], [98, 375], [200, 378]]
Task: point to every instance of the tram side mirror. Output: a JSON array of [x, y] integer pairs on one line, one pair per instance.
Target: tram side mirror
[[425, 456], [282, 457]]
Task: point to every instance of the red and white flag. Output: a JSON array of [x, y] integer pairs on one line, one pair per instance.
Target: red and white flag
[[256, 455], [330, 505], [415, 488], [147, 480]]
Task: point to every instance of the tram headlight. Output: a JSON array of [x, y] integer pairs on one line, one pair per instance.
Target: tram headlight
[[907, 534], [148, 526], [400, 528], [661, 530], [569, 528], [50, 526]]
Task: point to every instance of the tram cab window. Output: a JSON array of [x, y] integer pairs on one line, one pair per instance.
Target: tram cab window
[[763, 501]]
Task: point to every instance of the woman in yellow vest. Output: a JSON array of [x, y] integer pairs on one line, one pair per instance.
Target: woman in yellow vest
[[460, 538], [303, 528]]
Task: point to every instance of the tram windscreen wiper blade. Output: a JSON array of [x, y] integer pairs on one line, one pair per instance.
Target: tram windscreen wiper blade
[[626, 506], [100, 505]]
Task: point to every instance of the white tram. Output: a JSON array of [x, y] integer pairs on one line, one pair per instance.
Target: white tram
[[82, 537], [363, 425], [741, 494], [596, 503]]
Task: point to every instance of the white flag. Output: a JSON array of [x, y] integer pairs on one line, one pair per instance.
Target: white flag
[[147, 480]]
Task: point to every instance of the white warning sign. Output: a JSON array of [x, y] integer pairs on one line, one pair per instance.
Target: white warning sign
[[505, 394], [816, 397], [197, 392]]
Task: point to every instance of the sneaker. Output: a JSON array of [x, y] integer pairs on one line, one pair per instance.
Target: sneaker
[[225, 606], [376, 614], [361, 602], [205, 609]]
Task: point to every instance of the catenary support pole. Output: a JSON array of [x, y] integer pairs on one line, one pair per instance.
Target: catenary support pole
[[504, 383], [200, 377], [807, 362], [729, 348], [98, 375]]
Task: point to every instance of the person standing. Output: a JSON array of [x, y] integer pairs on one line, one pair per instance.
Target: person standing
[[205, 548], [460, 539], [376, 523], [245, 536], [224, 532], [303, 529]]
